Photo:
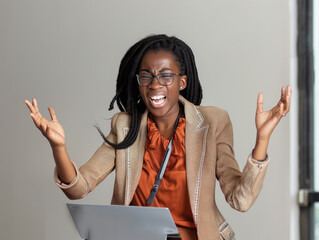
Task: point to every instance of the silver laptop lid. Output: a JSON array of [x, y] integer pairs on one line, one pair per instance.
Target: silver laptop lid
[[101, 222]]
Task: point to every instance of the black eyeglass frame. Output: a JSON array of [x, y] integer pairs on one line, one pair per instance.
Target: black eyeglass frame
[[157, 77]]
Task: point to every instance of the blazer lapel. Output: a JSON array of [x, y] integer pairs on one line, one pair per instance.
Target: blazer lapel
[[134, 160], [195, 144]]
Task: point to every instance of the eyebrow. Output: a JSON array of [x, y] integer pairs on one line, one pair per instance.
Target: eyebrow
[[165, 69], [162, 70]]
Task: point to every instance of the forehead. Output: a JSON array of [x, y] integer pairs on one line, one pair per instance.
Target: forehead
[[159, 59]]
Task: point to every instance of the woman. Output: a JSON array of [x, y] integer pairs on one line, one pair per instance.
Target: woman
[[159, 93]]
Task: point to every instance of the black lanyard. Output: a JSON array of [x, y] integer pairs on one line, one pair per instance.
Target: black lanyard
[[167, 155]]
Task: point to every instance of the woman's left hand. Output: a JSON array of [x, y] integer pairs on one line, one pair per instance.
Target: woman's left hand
[[267, 121]]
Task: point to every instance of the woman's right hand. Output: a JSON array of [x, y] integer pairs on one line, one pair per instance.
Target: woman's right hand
[[52, 130]]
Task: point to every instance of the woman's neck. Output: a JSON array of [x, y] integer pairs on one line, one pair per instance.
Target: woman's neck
[[165, 125]]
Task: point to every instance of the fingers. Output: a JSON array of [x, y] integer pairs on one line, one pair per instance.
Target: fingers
[[260, 102], [33, 107], [30, 106], [36, 120], [52, 114], [283, 94], [35, 104], [287, 99], [281, 111], [277, 115], [35, 113]]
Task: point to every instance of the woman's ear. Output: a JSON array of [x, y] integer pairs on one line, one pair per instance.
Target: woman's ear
[[183, 82]]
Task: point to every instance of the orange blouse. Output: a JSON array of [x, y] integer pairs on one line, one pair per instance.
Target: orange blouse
[[172, 192]]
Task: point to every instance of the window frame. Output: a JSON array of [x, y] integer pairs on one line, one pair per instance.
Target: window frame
[[305, 53]]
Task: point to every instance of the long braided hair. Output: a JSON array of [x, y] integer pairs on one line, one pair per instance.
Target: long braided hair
[[127, 92]]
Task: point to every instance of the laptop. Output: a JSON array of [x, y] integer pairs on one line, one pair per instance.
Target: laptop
[[114, 222]]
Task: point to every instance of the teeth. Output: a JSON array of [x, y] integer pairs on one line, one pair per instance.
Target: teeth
[[157, 97]]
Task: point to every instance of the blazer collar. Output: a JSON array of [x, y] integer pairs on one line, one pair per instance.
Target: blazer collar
[[192, 115]]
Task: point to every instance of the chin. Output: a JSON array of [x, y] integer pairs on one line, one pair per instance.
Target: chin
[[158, 112]]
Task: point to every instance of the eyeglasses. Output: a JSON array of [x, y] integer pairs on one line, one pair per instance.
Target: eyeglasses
[[165, 79]]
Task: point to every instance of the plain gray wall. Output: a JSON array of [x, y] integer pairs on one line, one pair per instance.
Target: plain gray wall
[[67, 53]]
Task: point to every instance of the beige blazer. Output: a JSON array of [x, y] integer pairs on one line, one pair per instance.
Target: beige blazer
[[209, 156]]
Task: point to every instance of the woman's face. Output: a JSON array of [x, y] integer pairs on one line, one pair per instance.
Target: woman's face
[[161, 101]]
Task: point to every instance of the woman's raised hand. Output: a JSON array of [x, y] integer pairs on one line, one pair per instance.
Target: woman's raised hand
[[52, 130], [267, 121]]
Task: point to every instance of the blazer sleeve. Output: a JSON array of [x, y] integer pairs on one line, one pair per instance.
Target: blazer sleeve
[[88, 176], [240, 188]]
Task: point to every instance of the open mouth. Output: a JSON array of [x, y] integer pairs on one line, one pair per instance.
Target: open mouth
[[157, 100]]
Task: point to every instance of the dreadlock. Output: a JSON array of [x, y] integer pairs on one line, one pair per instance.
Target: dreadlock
[[127, 93]]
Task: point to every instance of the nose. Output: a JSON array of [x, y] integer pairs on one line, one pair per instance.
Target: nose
[[155, 84]]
